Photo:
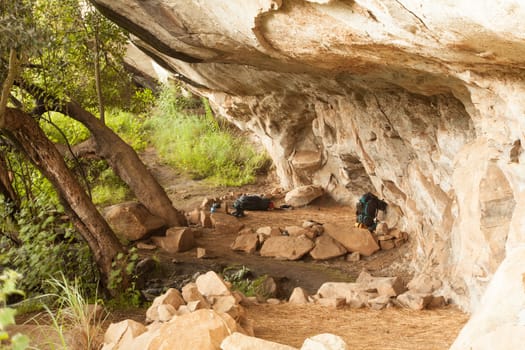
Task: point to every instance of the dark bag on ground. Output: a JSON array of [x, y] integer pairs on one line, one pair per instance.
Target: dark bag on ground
[[367, 208], [252, 203]]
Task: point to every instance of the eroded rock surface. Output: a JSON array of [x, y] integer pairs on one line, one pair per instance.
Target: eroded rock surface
[[421, 102]]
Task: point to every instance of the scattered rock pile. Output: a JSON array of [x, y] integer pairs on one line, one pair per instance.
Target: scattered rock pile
[[374, 292], [320, 241], [206, 314]]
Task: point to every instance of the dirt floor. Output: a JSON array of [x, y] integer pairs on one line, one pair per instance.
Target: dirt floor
[[392, 328]]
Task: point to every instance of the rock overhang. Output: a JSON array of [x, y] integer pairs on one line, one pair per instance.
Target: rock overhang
[[420, 102]]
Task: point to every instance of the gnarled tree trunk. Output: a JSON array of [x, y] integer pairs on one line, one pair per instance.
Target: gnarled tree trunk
[[120, 156], [25, 132], [127, 165]]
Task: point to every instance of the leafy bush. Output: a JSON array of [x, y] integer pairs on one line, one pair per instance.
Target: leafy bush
[[41, 239], [8, 280], [198, 145]]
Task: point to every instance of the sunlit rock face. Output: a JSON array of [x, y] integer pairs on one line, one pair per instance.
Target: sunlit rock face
[[422, 102]]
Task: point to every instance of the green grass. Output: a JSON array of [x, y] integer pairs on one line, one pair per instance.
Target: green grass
[[198, 145]]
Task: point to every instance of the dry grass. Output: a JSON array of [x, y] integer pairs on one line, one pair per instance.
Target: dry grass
[[390, 329]]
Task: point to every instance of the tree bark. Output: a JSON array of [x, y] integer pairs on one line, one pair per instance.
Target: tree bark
[[127, 165], [6, 186], [27, 135], [120, 156]]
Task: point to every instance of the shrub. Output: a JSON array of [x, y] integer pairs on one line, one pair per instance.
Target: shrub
[[8, 280], [42, 238]]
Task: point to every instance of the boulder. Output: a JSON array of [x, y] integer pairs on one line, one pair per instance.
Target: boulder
[[327, 248], [355, 294], [414, 300], [238, 341], [225, 224], [123, 331], [424, 283], [353, 257], [325, 341], [211, 284], [247, 243], [132, 220], [380, 302], [202, 329], [298, 296], [385, 286], [333, 303], [229, 305], [354, 239], [177, 239], [387, 244], [172, 297], [202, 253], [205, 219], [190, 293], [381, 228], [303, 195], [193, 217], [296, 231], [285, 247]]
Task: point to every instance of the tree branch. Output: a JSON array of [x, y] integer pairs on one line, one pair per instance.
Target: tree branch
[[14, 65]]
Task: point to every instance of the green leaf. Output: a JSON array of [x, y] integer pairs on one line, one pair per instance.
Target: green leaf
[[20, 342], [7, 317]]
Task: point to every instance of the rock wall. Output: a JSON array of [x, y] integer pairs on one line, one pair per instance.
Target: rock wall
[[422, 102]]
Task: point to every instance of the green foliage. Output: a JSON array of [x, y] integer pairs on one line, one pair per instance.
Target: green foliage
[[198, 145], [8, 281], [73, 310], [242, 280], [48, 246], [122, 265], [63, 130], [109, 189], [129, 126]]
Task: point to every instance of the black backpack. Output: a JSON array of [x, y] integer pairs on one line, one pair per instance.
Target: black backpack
[[367, 208], [252, 203]]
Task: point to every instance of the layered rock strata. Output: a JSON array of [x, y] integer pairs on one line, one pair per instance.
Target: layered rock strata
[[421, 102]]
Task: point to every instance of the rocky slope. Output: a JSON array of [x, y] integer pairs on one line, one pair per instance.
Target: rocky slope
[[421, 102]]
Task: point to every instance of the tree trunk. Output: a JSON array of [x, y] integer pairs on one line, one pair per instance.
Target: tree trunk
[[26, 133], [120, 156], [127, 165], [6, 186], [98, 83]]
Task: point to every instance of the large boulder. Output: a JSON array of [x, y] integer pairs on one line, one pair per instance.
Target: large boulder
[[177, 239], [239, 341], [132, 220], [301, 196], [354, 239], [202, 329], [327, 248], [286, 247]]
